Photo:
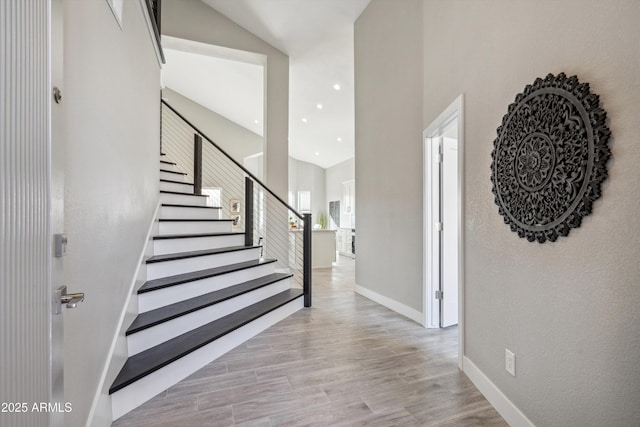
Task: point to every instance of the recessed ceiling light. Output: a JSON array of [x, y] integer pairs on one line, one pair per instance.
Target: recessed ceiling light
[[339, 139], [319, 106], [256, 121], [317, 154], [336, 86], [304, 120]]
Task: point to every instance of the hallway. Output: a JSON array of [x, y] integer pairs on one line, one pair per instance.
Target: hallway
[[346, 361]]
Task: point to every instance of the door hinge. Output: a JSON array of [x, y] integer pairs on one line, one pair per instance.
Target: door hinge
[[438, 226], [439, 294]]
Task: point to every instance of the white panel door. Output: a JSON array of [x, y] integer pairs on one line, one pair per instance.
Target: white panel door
[[449, 200], [58, 155]]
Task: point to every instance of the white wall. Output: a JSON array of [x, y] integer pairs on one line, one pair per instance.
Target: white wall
[[335, 176], [193, 20], [304, 176], [111, 95], [569, 309], [388, 150], [237, 141]]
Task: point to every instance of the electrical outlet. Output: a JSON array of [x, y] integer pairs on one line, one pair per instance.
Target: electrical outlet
[[510, 362]]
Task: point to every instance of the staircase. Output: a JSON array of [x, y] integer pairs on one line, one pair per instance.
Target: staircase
[[206, 292]]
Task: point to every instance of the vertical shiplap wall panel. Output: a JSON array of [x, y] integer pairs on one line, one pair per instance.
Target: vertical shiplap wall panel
[[24, 209]]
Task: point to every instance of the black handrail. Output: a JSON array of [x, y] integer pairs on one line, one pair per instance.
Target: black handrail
[[300, 216]]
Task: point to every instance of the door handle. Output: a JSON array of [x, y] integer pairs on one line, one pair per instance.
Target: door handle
[[62, 297]]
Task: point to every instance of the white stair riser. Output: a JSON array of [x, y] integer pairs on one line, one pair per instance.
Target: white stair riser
[[151, 300], [155, 335], [172, 246], [175, 186], [136, 394], [186, 265], [195, 227], [180, 212], [171, 176], [182, 199]]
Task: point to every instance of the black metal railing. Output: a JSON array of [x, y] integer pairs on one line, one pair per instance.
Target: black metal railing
[[256, 210]]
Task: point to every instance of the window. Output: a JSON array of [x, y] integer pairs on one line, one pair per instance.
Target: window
[[304, 201]]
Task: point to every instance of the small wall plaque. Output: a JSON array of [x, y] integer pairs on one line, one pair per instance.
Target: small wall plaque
[[549, 159]]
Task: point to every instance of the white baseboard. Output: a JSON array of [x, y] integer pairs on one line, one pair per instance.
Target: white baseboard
[[492, 393], [396, 306], [100, 413]]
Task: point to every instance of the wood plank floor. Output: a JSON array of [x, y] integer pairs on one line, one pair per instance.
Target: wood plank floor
[[345, 362]]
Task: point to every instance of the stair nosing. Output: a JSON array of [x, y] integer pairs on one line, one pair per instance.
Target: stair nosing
[[198, 253], [177, 173], [181, 193], [176, 345], [174, 205], [209, 299], [168, 162], [193, 219], [179, 279], [196, 236], [177, 182]]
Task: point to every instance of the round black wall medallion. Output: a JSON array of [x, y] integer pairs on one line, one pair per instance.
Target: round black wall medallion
[[550, 157]]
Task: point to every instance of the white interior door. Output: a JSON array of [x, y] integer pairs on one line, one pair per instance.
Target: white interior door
[[449, 249], [58, 155], [442, 216]]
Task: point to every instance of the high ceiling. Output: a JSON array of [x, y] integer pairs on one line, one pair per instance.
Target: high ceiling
[[318, 37]]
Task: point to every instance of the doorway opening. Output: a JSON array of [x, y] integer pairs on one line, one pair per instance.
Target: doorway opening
[[443, 239]]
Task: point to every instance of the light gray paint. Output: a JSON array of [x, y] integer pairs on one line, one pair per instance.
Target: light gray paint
[[569, 309], [335, 176], [304, 176], [25, 205], [236, 140], [193, 20], [111, 96], [388, 153]]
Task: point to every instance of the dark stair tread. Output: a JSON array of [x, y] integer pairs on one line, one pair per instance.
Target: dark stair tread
[[184, 194], [189, 236], [174, 205], [192, 220], [167, 162], [198, 253], [177, 173], [155, 358], [178, 279], [176, 182], [173, 311]]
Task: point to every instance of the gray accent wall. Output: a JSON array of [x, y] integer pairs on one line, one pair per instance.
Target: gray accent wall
[[388, 150], [569, 309]]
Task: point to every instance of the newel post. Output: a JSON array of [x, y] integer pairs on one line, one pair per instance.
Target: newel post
[[197, 164], [248, 211], [306, 260]]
